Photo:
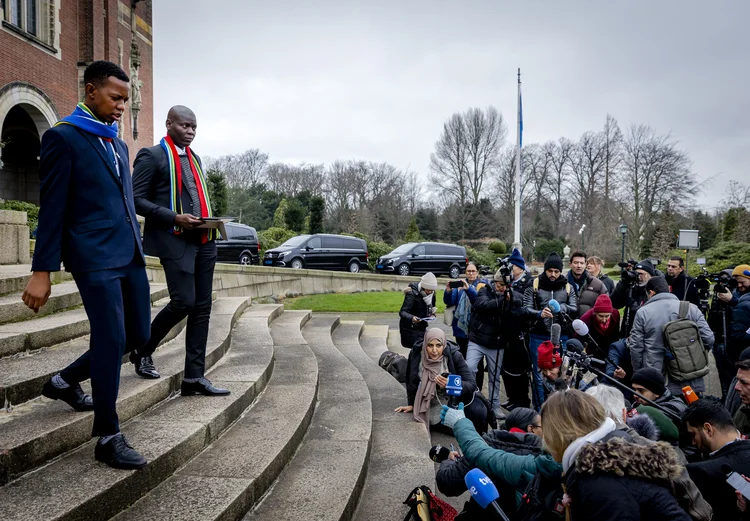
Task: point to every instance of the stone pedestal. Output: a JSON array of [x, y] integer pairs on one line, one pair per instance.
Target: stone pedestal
[[566, 253], [14, 238]]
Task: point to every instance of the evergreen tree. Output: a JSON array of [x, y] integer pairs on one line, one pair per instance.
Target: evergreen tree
[[279, 216], [412, 233], [317, 211], [217, 192], [294, 216]]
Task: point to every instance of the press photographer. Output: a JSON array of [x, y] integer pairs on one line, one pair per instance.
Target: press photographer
[[493, 324], [719, 318], [630, 292], [739, 338]]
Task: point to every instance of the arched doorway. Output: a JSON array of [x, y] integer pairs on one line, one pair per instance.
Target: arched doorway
[[25, 114], [19, 178]]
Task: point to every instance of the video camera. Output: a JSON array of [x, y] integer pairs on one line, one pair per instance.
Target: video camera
[[503, 264], [630, 276]]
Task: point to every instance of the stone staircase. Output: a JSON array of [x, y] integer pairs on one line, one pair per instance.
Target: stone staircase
[[308, 432]]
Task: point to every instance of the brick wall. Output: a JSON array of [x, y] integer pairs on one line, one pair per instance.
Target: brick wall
[[57, 75]]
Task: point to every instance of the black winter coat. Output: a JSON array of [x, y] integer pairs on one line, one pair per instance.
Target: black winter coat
[[620, 299], [456, 365], [711, 480], [617, 480], [490, 316], [413, 306], [608, 282], [679, 284], [739, 339]]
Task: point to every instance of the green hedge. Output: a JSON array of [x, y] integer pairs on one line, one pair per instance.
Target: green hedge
[[274, 237], [32, 211]]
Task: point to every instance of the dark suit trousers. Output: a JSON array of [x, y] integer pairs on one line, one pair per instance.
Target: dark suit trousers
[[190, 296], [118, 305]]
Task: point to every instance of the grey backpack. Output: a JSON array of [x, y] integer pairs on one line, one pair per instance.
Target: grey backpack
[[687, 358]]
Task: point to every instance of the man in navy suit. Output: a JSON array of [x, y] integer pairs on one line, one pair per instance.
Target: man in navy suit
[[87, 221]]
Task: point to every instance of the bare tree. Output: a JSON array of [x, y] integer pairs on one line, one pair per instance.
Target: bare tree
[[659, 175], [559, 156], [466, 154], [612, 151], [293, 179], [241, 170]]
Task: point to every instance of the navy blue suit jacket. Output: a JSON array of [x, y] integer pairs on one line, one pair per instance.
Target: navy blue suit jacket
[[87, 217]]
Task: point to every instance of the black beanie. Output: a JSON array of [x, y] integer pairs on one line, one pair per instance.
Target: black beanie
[[646, 266], [651, 379], [521, 418], [553, 262], [745, 354]]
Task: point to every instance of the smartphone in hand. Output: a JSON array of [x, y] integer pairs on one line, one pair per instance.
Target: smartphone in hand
[[454, 284]]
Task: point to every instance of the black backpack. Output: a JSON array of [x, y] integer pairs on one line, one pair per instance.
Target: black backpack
[[395, 364], [542, 500]]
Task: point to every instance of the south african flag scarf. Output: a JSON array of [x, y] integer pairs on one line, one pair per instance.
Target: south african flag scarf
[[175, 199]]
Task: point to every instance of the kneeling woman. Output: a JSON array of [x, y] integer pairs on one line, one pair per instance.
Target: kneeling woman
[[425, 388]]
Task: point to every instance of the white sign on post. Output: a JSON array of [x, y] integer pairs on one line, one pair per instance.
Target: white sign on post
[[689, 240]]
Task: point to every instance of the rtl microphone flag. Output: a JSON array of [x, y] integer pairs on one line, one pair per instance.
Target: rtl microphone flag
[[580, 327]]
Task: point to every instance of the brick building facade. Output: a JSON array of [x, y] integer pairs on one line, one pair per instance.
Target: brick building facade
[[45, 45]]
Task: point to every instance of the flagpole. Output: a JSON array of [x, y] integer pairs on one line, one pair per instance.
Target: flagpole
[[517, 227]]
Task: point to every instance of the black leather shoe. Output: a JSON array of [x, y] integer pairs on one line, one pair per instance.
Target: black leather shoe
[[118, 453], [73, 395], [202, 386], [144, 366]]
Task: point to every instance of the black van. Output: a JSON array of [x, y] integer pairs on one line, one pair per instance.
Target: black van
[[240, 247], [320, 252], [421, 257]]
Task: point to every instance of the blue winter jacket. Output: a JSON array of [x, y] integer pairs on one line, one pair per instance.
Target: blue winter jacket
[[450, 298]]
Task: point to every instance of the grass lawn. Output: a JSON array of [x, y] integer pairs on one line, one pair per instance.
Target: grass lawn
[[382, 302]]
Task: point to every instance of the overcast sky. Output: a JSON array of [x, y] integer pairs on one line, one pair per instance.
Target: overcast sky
[[314, 81]]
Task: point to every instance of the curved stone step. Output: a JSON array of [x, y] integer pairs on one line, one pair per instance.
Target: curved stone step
[[42, 429], [399, 459], [55, 328], [77, 487], [64, 296], [236, 470], [325, 478], [14, 277], [374, 341], [22, 375]]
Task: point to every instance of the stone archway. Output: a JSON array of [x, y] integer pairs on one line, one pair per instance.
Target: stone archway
[[25, 114]]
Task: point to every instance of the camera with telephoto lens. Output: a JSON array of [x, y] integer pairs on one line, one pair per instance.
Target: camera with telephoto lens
[[628, 276]]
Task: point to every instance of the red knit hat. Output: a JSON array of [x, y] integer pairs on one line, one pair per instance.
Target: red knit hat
[[548, 357], [603, 304]]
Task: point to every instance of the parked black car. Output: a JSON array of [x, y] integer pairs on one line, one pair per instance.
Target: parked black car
[[320, 251], [421, 257], [241, 246]]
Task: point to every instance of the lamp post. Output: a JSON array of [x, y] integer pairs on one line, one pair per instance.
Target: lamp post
[[580, 232], [623, 232]]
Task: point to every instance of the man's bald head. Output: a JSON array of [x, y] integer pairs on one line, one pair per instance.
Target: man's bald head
[[181, 125]]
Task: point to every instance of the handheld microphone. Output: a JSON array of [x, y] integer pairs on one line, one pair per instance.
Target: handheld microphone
[[555, 332], [454, 389], [553, 306], [439, 454], [582, 330], [483, 491]]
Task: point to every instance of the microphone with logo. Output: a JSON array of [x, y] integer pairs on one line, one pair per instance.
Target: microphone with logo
[[554, 306], [454, 389], [484, 491], [439, 454]]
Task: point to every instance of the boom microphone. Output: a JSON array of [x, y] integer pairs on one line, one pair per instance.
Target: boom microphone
[[553, 306], [439, 454], [483, 491], [555, 332]]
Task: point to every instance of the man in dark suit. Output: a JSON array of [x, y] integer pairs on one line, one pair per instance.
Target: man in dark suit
[[714, 434], [171, 193], [87, 221]]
